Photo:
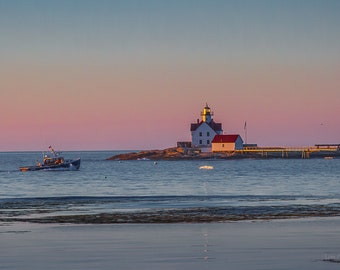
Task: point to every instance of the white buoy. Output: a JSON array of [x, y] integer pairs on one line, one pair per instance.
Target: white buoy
[[206, 167]]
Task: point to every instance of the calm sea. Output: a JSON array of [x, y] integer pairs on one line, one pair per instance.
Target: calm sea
[[239, 189]]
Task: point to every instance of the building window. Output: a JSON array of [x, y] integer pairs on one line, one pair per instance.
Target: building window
[[200, 134], [222, 144], [208, 134], [200, 141], [208, 141]]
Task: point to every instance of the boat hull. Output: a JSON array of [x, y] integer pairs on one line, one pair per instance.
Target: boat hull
[[68, 165]]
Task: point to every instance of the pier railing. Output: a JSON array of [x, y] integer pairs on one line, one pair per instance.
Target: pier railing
[[304, 151], [290, 149]]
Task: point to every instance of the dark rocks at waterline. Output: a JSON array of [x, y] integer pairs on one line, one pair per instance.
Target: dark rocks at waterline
[[189, 215], [175, 153]]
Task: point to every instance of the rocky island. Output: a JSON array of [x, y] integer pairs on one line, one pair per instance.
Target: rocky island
[[174, 153], [179, 153]]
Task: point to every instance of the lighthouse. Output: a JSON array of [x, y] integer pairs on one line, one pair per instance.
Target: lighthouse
[[204, 131], [206, 114]]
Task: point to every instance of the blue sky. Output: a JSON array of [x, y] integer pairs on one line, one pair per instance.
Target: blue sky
[[238, 30]]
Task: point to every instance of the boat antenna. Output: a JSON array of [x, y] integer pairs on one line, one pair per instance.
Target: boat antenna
[[52, 151]]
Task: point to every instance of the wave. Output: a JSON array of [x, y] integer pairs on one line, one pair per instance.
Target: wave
[[162, 209], [159, 197], [55, 201]]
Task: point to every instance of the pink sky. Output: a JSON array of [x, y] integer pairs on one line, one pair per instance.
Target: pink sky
[[85, 86], [154, 109]]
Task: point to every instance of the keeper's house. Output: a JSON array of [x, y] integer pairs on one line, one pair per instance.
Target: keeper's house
[[225, 143]]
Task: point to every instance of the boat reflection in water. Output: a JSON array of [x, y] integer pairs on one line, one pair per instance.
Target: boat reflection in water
[[53, 161]]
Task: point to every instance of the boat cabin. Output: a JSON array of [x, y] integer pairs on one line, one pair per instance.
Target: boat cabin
[[53, 161]]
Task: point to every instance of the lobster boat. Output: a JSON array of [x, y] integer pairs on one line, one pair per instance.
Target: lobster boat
[[53, 161]]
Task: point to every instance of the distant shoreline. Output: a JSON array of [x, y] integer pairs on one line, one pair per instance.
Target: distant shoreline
[[178, 153]]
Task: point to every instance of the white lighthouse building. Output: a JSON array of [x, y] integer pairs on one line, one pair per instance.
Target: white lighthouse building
[[204, 131]]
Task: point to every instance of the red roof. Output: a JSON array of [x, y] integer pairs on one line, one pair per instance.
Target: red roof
[[225, 138]]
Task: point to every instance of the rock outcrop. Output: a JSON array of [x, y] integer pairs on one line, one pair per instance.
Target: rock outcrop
[[175, 153]]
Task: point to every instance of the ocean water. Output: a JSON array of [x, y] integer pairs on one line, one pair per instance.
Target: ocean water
[[144, 191]]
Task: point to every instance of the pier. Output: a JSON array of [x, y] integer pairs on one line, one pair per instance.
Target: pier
[[325, 150]]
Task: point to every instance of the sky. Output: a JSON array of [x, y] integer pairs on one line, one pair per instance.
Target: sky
[[130, 74]]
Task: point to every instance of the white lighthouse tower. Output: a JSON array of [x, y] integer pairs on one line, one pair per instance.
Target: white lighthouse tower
[[204, 131]]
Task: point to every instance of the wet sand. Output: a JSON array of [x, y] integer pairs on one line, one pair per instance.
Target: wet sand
[[311, 243]]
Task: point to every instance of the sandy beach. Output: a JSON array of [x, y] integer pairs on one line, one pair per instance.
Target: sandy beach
[[311, 243]]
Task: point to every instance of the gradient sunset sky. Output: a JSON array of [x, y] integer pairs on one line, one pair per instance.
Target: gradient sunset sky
[[97, 75]]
